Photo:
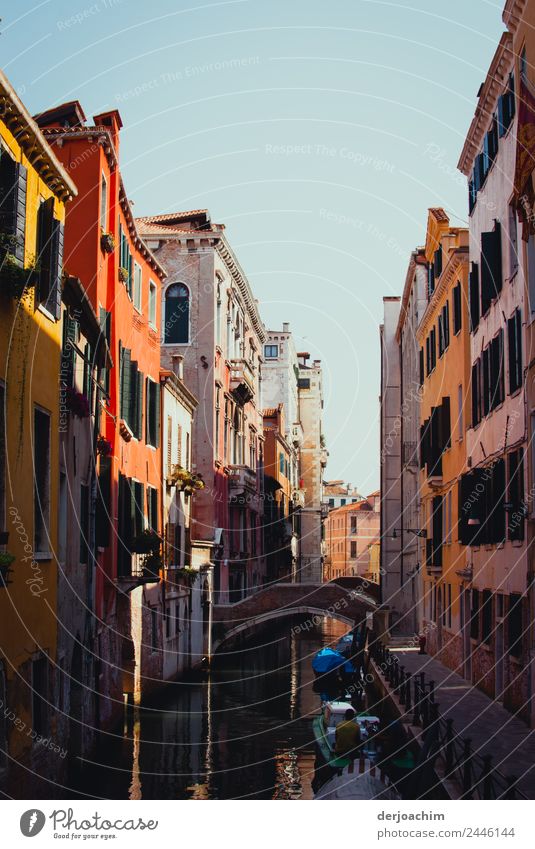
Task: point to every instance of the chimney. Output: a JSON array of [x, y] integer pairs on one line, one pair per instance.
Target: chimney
[[112, 122], [317, 363], [178, 365], [286, 327]]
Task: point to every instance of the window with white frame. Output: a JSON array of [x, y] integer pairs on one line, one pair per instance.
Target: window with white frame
[[271, 352], [460, 411], [152, 303], [137, 286], [512, 234]]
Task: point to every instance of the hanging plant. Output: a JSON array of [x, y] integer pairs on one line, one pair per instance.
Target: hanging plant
[[184, 480], [6, 559], [147, 542], [77, 403], [16, 280], [123, 274], [186, 574], [107, 242], [151, 565], [104, 446]]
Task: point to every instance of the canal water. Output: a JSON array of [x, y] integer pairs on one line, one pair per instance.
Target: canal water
[[244, 732]]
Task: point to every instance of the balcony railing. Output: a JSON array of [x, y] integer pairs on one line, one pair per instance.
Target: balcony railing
[[242, 479], [242, 380]]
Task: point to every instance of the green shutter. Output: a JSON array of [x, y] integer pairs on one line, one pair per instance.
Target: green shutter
[[53, 302], [139, 397], [45, 223], [132, 399], [125, 384]]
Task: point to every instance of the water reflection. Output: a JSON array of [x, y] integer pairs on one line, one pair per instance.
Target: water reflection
[[244, 732]]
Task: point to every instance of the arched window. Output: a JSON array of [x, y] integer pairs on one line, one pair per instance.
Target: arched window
[[176, 328]]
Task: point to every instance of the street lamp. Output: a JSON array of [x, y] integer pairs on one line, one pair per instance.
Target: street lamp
[[418, 532]]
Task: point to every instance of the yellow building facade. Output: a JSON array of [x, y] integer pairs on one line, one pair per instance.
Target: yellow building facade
[[34, 189], [444, 341]]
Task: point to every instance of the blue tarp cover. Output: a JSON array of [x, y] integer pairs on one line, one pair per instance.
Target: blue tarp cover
[[327, 660]]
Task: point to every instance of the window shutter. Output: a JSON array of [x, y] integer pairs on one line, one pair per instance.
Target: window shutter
[[125, 384], [474, 297], [139, 397], [53, 302], [103, 509], [445, 424], [148, 405], [179, 442], [421, 366], [45, 224], [157, 415], [475, 394], [132, 398], [169, 443], [437, 526], [446, 323], [491, 266], [13, 183]]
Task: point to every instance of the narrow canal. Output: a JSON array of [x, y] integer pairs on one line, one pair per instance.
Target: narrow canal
[[243, 732]]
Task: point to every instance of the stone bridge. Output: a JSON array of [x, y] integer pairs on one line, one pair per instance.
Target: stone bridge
[[347, 599]]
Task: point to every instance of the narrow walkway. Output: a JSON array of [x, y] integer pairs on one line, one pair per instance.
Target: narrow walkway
[[492, 729]]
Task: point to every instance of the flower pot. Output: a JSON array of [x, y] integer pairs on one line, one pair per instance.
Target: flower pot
[[123, 275], [107, 243]]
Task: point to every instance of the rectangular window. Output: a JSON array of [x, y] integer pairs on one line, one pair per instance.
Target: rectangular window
[[84, 523], [217, 418], [486, 617], [281, 463], [506, 106], [187, 461], [421, 366], [103, 204], [437, 525], [137, 286], [460, 411], [513, 235], [476, 396], [152, 508], [474, 296], [491, 266], [433, 344], [353, 550], [497, 370], [353, 524], [457, 309], [152, 304], [514, 625], [271, 352], [41, 480], [152, 436], [515, 495], [50, 237], [474, 616], [154, 629], [303, 383], [514, 338], [448, 515]]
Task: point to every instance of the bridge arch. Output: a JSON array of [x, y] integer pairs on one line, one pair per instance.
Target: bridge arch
[[348, 604], [272, 616]]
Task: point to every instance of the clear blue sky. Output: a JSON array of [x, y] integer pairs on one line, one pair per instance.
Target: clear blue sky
[[318, 132]]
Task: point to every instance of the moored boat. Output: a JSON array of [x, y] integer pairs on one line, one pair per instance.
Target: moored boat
[[324, 726]]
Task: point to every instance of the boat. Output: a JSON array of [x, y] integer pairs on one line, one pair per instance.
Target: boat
[[365, 781], [328, 661], [324, 727]]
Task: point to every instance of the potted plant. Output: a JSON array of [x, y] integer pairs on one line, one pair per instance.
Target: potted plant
[[147, 542], [187, 575], [151, 565], [107, 242], [184, 480], [77, 403], [123, 274], [104, 446], [6, 559]]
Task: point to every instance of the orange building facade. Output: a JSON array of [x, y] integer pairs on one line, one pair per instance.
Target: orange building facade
[[351, 532], [122, 280]]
